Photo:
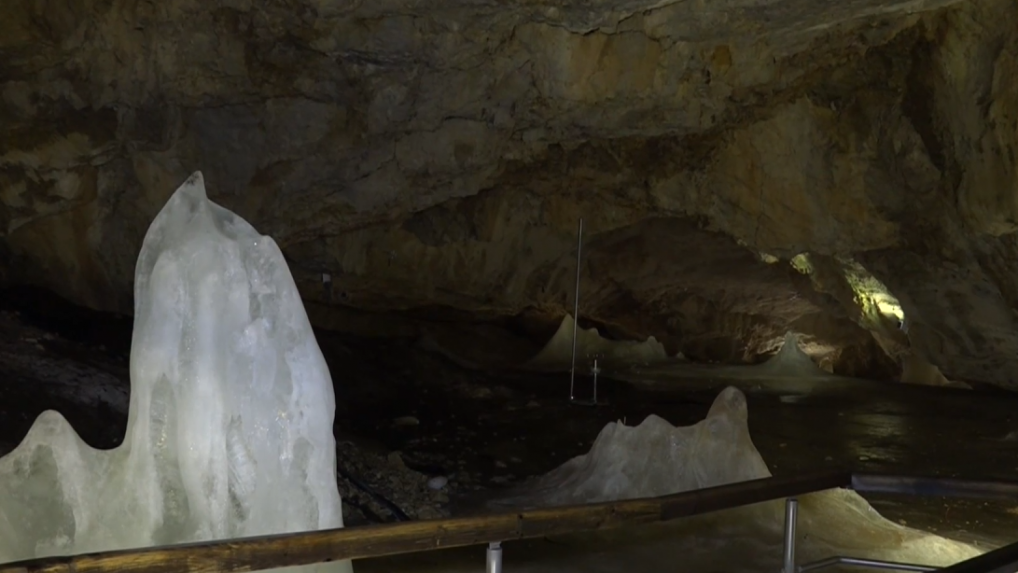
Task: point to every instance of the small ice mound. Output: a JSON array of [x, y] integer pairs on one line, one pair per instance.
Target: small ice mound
[[915, 370], [791, 362], [715, 451], [655, 458], [613, 354]]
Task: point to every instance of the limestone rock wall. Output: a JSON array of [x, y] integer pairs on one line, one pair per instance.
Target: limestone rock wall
[[438, 154]]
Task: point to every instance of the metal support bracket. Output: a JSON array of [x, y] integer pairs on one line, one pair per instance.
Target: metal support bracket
[[788, 561], [871, 563]]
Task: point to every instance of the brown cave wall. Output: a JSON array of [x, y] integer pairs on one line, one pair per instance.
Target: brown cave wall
[[441, 158], [697, 291]]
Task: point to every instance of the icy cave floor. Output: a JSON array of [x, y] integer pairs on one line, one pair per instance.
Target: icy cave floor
[[398, 427]]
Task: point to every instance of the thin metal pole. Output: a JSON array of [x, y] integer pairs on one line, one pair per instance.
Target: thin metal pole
[[596, 370], [871, 563], [494, 558], [576, 310], [791, 513]]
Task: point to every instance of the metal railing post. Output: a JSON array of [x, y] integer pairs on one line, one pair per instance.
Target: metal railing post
[[791, 514], [494, 558]]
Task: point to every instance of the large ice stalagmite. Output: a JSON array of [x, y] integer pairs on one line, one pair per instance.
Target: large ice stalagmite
[[230, 426]]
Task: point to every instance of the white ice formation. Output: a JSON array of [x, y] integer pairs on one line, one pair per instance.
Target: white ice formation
[[230, 426], [791, 362], [655, 458], [916, 370], [557, 353]]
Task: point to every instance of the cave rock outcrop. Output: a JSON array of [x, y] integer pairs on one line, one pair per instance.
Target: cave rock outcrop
[[440, 155]]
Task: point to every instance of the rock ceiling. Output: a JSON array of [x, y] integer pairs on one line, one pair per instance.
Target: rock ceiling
[[437, 155]]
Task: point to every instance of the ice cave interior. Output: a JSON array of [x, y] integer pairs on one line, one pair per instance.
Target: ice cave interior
[[303, 265]]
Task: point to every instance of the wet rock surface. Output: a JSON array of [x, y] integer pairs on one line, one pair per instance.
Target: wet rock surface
[[40, 370], [380, 487]]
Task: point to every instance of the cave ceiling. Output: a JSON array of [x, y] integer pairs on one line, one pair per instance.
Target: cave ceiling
[[437, 155]]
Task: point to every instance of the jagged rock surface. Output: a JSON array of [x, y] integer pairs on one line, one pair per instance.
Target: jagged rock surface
[[438, 155]]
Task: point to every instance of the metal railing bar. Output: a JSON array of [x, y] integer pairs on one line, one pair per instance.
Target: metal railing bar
[[307, 548], [871, 563], [934, 486], [1002, 560]]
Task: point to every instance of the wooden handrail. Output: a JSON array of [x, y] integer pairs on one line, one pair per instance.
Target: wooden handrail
[[306, 548]]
